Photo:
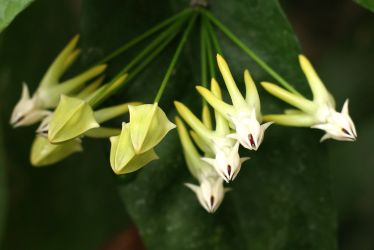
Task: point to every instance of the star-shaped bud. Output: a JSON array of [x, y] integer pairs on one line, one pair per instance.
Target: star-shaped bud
[[246, 122], [318, 113], [244, 115], [148, 126], [123, 158], [30, 110], [210, 191], [339, 126], [133, 148], [74, 117], [43, 153], [227, 161], [225, 157]]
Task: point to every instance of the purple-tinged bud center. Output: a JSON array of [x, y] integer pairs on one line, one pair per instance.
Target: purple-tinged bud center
[[211, 200], [229, 169], [250, 137], [345, 131]]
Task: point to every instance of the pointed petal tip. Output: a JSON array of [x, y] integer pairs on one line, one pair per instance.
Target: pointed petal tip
[[345, 109]]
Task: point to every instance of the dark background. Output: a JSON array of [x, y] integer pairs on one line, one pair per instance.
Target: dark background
[[338, 37]]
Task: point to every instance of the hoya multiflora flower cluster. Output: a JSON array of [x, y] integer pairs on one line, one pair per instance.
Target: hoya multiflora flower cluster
[[68, 110]]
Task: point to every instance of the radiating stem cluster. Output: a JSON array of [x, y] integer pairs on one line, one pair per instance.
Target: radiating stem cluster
[[68, 111]]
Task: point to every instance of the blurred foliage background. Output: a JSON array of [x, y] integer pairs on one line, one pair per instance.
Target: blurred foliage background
[[77, 205]]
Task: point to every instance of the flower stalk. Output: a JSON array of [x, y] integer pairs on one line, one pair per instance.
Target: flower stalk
[[249, 52]]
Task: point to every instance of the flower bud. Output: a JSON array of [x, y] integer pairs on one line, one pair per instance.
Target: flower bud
[[227, 161], [123, 158], [244, 114], [71, 119], [44, 153], [148, 126], [210, 193]]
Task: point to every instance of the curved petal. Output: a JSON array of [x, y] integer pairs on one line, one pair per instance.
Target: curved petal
[[44, 153], [148, 126], [72, 118]]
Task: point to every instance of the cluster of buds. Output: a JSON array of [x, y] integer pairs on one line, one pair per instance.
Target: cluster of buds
[[243, 123], [239, 123], [67, 112]]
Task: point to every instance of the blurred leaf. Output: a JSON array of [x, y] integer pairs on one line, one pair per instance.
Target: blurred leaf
[[369, 4], [3, 188], [282, 197], [9, 9], [73, 204]]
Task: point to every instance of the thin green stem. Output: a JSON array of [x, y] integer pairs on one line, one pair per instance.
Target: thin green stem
[[213, 36], [209, 50], [249, 52], [170, 32], [203, 54], [137, 69], [143, 36], [151, 57], [175, 58]]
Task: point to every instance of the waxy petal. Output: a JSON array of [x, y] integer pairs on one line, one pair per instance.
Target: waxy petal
[[198, 168], [148, 126], [49, 97], [251, 95], [72, 118], [298, 120], [224, 108], [23, 107], [210, 193], [32, 117], [236, 97], [206, 118], [193, 121], [222, 125], [292, 99], [123, 158], [58, 66], [44, 153], [320, 93], [203, 145]]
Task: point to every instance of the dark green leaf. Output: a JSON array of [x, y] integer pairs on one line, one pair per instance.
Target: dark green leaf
[[369, 4], [282, 197], [9, 9], [3, 188]]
